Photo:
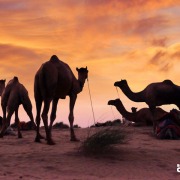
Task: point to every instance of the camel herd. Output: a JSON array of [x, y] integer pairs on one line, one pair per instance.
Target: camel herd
[[155, 94], [140, 117], [55, 80]]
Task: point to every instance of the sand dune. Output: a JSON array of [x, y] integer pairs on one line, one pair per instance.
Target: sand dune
[[142, 157]]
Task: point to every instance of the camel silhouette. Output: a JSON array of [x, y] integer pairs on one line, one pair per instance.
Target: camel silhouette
[[53, 81], [13, 95], [140, 117], [155, 94]]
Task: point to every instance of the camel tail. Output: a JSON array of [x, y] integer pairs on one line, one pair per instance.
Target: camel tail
[[16, 79], [39, 85]]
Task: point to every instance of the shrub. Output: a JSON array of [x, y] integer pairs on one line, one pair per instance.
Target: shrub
[[60, 125], [103, 140]]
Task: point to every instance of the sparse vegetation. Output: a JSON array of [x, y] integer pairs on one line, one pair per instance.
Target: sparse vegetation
[[76, 126], [116, 122], [60, 125], [103, 140]]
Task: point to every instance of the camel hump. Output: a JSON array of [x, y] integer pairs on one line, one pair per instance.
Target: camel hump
[[15, 79], [54, 59], [169, 82]]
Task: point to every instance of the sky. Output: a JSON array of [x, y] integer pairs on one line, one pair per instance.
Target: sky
[[136, 40]]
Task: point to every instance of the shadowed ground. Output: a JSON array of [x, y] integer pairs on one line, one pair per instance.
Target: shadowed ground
[[142, 157]]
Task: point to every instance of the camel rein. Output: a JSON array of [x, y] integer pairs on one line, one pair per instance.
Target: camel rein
[[91, 101], [112, 112], [117, 92], [111, 105]]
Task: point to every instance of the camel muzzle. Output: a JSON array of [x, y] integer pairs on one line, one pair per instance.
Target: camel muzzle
[[116, 83], [110, 102]]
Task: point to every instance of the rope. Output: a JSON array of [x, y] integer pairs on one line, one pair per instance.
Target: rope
[[91, 102], [117, 92], [113, 112]]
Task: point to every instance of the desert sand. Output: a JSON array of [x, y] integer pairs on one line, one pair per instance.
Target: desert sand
[[142, 157]]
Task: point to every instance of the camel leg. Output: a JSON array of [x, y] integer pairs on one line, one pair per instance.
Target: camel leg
[[3, 129], [28, 109], [71, 117], [29, 113], [45, 120], [153, 111], [17, 123], [53, 114], [38, 119], [8, 119]]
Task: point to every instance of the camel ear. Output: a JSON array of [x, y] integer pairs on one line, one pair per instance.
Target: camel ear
[[86, 67], [77, 69]]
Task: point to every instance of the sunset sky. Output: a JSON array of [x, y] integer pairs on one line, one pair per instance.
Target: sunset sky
[[136, 40]]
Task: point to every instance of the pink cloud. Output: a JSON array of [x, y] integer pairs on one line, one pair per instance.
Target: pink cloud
[[150, 25], [157, 57], [162, 42]]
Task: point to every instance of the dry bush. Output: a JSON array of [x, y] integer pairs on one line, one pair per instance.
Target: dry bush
[[103, 140]]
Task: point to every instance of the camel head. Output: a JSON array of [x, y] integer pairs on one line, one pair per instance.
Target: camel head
[[120, 83], [82, 73], [82, 76], [114, 102], [134, 109], [2, 86]]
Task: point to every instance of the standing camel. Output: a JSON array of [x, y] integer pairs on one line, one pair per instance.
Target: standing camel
[[13, 95], [141, 117], [53, 81], [155, 94]]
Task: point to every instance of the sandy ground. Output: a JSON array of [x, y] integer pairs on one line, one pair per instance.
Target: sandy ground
[[142, 157]]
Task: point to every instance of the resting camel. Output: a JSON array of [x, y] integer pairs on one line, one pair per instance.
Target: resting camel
[[155, 94], [13, 95], [53, 81], [140, 117]]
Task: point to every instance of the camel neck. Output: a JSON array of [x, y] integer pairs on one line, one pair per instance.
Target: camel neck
[[134, 96], [81, 83], [129, 116]]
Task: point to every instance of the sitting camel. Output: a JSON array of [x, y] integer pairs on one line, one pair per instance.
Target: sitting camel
[[155, 94], [53, 81], [141, 117], [13, 95]]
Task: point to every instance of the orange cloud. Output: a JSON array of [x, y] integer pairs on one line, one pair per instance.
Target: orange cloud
[[136, 40], [159, 42]]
